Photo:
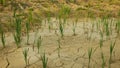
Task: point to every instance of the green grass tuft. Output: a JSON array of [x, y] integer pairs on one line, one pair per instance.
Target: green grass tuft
[[44, 60]]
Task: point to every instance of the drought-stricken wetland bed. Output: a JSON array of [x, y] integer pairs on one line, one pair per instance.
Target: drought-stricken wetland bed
[[59, 34], [87, 45]]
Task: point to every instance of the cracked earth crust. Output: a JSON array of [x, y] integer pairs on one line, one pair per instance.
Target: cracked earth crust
[[73, 51]]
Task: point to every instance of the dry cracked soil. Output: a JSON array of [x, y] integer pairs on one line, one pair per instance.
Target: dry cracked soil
[[73, 51]]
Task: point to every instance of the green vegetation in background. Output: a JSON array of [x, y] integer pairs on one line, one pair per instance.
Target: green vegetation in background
[[3, 2], [64, 13]]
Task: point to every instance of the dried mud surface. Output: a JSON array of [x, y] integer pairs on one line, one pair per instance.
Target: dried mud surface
[[73, 52]]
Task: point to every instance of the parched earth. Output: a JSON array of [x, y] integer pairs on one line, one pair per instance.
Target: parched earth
[[73, 51]]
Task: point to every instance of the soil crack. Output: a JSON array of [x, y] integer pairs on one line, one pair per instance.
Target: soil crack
[[8, 63]]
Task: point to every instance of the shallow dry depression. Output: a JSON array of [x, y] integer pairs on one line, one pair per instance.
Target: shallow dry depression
[[73, 52]]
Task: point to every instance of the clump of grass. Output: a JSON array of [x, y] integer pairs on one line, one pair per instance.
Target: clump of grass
[[93, 24], [64, 13], [61, 29], [110, 0], [44, 60], [25, 54], [89, 56], [39, 43], [52, 0], [97, 25], [27, 30], [91, 32], [30, 16], [17, 34], [118, 27], [14, 12], [48, 20], [119, 13], [111, 25], [40, 21], [35, 36], [74, 26], [92, 28], [3, 2], [73, 1], [112, 46], [103, 60], [106, 25], [107, 29], [101, 39], [65, 10], [102, 55], [2, 37]]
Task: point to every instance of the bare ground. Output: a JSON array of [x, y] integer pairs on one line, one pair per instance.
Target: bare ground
[[73, 52]]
